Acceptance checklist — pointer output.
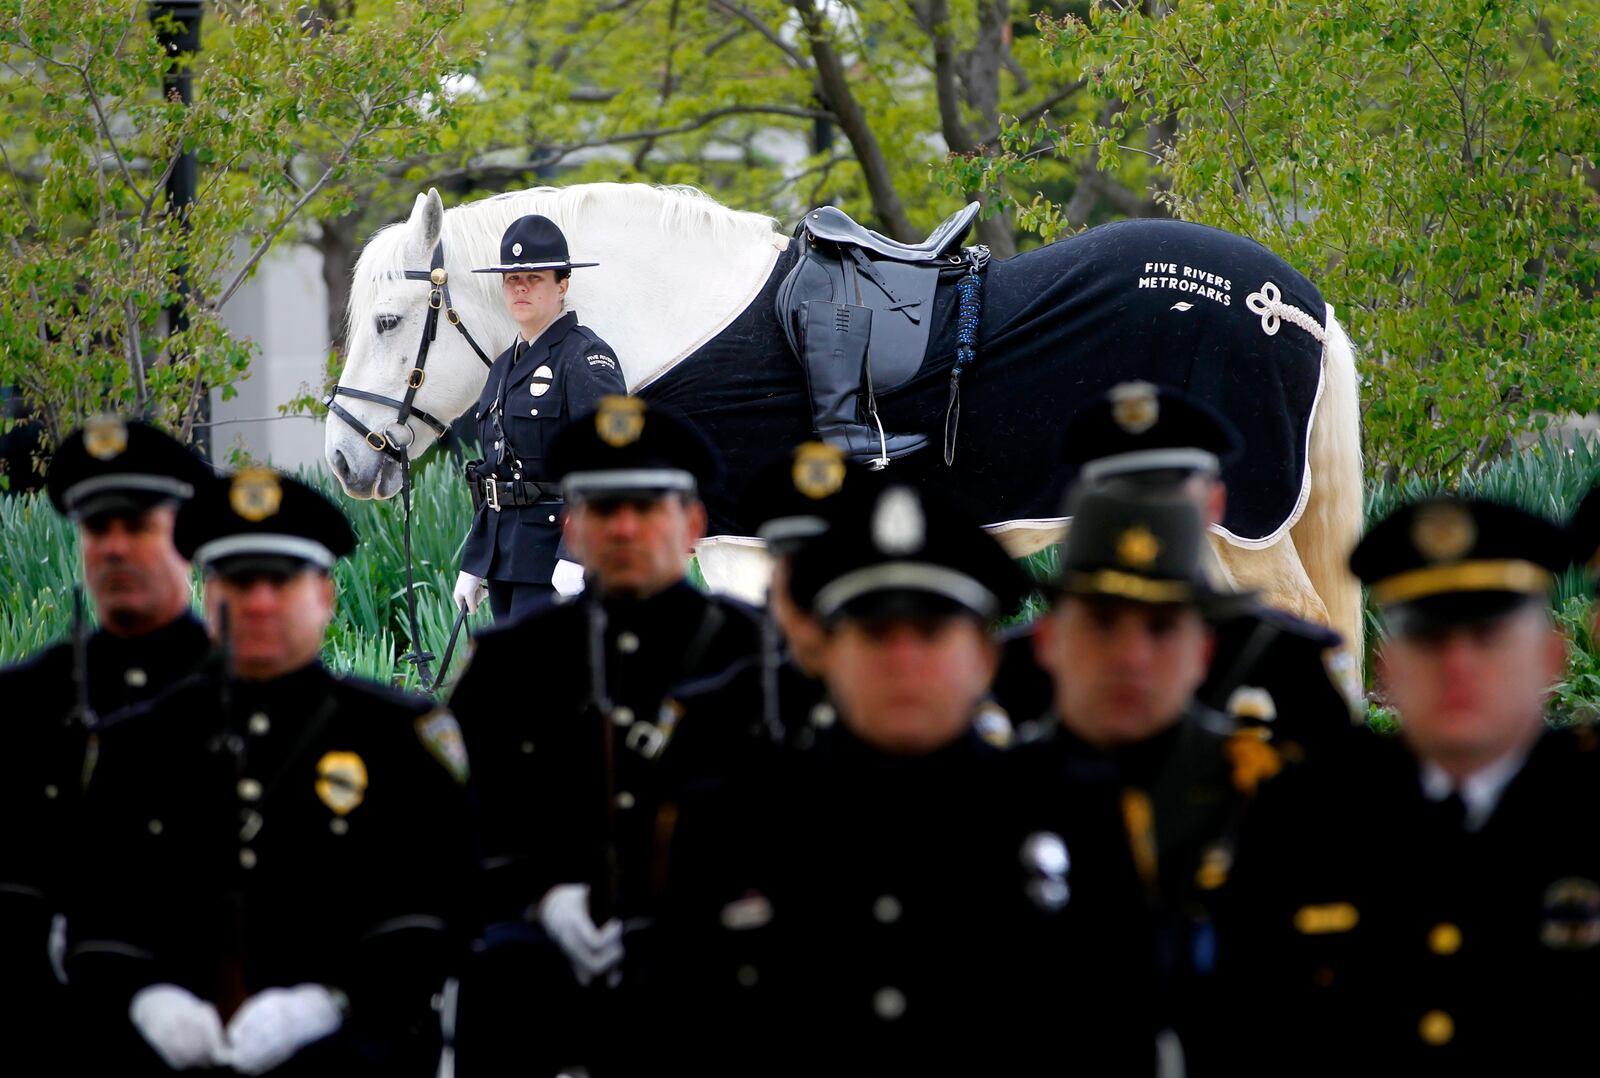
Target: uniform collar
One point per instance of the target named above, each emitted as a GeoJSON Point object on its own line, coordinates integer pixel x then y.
{"type": "Point", "coordinates": [549, 336]}
{"type": "Point", "coordinates": [1481, 790]}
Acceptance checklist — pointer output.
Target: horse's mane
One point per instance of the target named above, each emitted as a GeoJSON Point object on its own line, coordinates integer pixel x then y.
{"type": "Point", "coordinates": [678, 210]}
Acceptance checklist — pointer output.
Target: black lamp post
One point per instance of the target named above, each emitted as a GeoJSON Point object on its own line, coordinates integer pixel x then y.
{"type": "Point", "coordinates": [178, 28]}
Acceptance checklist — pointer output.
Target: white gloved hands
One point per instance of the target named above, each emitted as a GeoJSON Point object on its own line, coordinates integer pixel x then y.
{"type": "Point", "coordinates": [469, 591]}
{"type": "Point", "coordinates": [564, 914]}
{"type": "Point", "coordinates": [274, 1024]}
{"type": "Point", "coordinates": [568, 577]}
{"type": "Point", "coordinates": [184, 1029]}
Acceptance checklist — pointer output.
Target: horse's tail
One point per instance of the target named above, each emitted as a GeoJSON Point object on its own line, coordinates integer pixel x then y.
{"type": "Point", "coordinates": [1328, 529]}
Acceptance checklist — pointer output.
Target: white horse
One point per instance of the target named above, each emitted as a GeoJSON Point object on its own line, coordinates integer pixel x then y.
{"type": "Point", "coordinates": [676, 269]}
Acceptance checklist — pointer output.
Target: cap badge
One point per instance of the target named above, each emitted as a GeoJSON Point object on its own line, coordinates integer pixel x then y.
{"type": "Point", "coordinates": [620, 420]}
{"type": "Point", "coordinates": [1138, 547]}
{"type": "Point", "coordinates": [105, 437]}
{"type": "Point", "coordinates": [898, 526]}
{"type": "Point", "coordinates": [818, 470]}
{"type": "Point", "coordinates": [255, 494]}
{"type": "Point", "coordinates": [341, 781]}
{"type": "Point", "coordinates": [1441, 532]}
{"type": "Point", "coordinates": [1135, 406]}
{"type": "Point", "coordinates": [516, 248]}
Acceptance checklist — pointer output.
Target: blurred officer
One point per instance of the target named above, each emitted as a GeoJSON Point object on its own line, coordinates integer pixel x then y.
{"type": "Point", "coordinates": [272, 854]}
{"type": "Point", "coordinates": [793, 500]}
{"type": "Point", "coordinates": [1127, 642]}
{"type": "Point", "coordinates": [877, 903]}
{"type": "Point", "coordinates": [120, 483]}
{"type": "Point", "coordinates": [554, 370]}
{"type": "Point", "coordinates": [1436, 905]}
{"type": "Point", "coordinates": [590, 722]}
{"type": "Point", "coordinates": [1291, 678]}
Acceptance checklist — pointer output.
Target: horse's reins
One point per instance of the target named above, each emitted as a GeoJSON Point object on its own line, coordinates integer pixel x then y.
{"type": "Point", "coordinates": [384, 441]}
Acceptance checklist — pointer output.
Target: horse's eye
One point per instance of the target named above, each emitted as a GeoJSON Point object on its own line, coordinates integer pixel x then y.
{"type": "Point", "coordinates": [386, 322]}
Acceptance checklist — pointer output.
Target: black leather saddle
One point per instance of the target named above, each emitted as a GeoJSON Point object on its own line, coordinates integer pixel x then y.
{"type": "Point", "coordinates": [857, 309]}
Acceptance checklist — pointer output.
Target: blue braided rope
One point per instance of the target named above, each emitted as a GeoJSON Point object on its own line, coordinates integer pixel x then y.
{"type": "Point", "coordinates": [969, 312]}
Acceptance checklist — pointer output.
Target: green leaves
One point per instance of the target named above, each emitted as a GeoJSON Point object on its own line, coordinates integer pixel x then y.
{"type": "Point", "coordinates": [1429, 163]}
{"type": "Point", "coordinates": [288, 109]}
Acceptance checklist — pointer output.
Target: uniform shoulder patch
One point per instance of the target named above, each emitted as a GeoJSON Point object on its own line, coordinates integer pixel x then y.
{"type": "Point", "coordinates": [600, 359]}
{"type": "Point", "coordinates": [440, 734]}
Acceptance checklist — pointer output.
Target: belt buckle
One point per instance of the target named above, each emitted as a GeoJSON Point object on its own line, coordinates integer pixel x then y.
{"type": "Point", "coordinates": [491, 492]}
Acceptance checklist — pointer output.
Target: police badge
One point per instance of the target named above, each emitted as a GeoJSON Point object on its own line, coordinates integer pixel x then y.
{"type": "Point", "coordinates": [1135, 406]}
{"type": "Point", "coordinates": [1571, 915]}
{"type": "Point", "coordinates": [898, 526]}
{"type": "Point", "coordinates": [1444, 531]}
{"type": "Point", "coordinates": [1138, 547]}
{"type": "Point", "coordinates": [818, 470]}
{"type": "Point", "coordinates": [620, 420]}
{"type": "Point", "coordinates": [255, 494]}
{"type": "Point", "coordinates": [341, 781]}
{"type": "Point", "coordinates": [105, 437]}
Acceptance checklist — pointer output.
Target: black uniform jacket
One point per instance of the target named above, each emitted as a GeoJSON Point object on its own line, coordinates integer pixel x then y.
{"type": "Point", "coordinates": [682, 677]}
{"type": "Point", "coordinates": [1370, 926]}
{"type": "Point", "coordinates": [848, 911]}
{"type": "Point", "coordinates": [533, 390]}
{"type": "Point", "coordinates": [41, 780]}
{"type": "Point", "coordinates": [304, 829]}
{"type": "Point", "coordinates": [1184, 794]}
{"type": "Point", "coordinates": [1301, 666]}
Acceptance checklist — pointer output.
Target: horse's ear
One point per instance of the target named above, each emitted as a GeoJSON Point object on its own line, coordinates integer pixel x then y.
{"type": "Point", "coordinates": [427, 221]}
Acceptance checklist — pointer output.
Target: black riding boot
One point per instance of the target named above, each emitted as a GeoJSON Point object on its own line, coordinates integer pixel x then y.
{"type": "Point", "coordinates": [836, 376]}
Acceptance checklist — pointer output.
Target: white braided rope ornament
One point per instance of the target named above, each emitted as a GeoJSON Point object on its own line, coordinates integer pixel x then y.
{"type": "Point", "coordinates": [1268, 303]}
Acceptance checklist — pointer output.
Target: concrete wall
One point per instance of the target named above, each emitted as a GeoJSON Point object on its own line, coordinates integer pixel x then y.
{"type": "Point", "coordinates": [283, 309]}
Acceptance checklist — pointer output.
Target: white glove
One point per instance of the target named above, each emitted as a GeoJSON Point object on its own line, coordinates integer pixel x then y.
{"type": "Point", "coordinates": [273, 1025]}
{"type": "Point", "coordinates": [564, 913]}
{"type": "Point", "coordinates": [470, 591]}
{"type": "Point", "coordinates": [184, 1029]}
{"type": "Point", "coordinates": [568, 577]}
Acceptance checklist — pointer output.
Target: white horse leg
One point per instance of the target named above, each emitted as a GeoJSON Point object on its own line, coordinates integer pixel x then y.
{"type": "Point", "coordinates": [736, 566]}
{"type": "Point", "coordinates": [1277, 572]}
{"type": "Point", "coordinates": [1331, 524]}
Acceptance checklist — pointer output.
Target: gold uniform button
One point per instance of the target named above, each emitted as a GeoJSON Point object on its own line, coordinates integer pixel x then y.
{"type": "Point", "coordinates": [249, 790]}
{"type": "Point", "coordinates": [247, 858]}
{"type": "Point", "coordinates": [1444, 939]}
{"type": "Point", "coordinates": [1436, 1028]}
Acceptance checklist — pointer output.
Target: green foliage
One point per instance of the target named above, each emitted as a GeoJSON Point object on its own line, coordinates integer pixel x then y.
{"type": "Point", "coordinates": [295, 106]}
{"type": "Point", "coordinates": [369, 635]}
{"type": "Point", "coordinates": [1431, 163]}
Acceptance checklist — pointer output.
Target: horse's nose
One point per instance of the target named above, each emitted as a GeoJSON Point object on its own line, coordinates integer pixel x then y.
{"type": "Point", "coordinates": [341, 466]}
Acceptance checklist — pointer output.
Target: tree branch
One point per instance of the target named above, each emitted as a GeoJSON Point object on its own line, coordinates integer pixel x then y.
{"type": "Point", "coordinates": [764, 30]}
{"type": "Point", "coordinates": [834, 88]}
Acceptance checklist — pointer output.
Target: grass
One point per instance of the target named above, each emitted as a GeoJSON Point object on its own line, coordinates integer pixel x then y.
{"type": "Point", "coordinates": [370, 635]}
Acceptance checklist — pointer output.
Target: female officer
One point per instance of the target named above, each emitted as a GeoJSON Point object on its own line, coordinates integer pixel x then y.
{"type": "Point", "coordinates": [554, 370]}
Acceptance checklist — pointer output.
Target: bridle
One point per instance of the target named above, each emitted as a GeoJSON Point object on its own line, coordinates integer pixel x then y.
{"type": "Point", "coordinates": [384, 441]}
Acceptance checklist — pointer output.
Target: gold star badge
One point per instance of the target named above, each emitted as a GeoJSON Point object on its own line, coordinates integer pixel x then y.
{"type": "Point", "coordinates": [341, 781]}
{"type": "Point", "coordinates": [1442, 532]}
{"type": "Point", "coordinates": [620, 420]}
{"type": "Point", "coordinates": [105, 437]}
{"type": "Point", "coordinates": [1135, 406]}
{"type": "Point", "coordinates": [255, 494]}
{"type": "Point", "coordinates": [1137, 547]}
{"type": "Point", "coordinates": [818, 470]}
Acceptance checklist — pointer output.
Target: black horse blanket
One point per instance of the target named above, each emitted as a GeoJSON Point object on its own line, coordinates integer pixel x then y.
{"type": "Point", "coordinates": [1164, 301]}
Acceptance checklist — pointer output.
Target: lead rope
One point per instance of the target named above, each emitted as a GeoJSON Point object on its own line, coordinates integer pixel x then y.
{"type": "Point", "coordinates": [969, 313]}
{"type": "Point", "coordinates": [417, 656]}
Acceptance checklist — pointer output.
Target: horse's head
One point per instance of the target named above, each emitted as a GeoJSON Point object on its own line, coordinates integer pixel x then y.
{"type": "Point", "coordinates": [387, 319]}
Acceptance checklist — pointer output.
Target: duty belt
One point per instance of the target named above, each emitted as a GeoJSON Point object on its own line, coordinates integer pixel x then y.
{"type": "Point", "coordinates": [498, 493]}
